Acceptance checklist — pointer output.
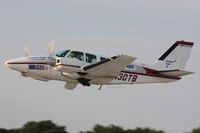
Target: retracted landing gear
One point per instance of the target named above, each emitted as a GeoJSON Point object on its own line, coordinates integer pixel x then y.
{"type": "Point", "coordinates": [84, 82]}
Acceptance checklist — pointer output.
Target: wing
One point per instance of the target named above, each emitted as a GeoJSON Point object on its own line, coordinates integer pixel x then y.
{"type": "Point", "coordinates": [109, 68]}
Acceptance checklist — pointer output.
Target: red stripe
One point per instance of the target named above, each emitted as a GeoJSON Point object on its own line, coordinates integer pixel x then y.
{"type": "Point", "coordinates": [45, 63]}
{"type": "Point", "coordinates": [185, 43]}
{"type": "Point", "coordinates": [150, 72]}
{"type": "Point", "coordinates": [154, 75]}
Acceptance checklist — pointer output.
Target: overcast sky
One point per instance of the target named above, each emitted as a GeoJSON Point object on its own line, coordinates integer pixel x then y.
{"type": "Point", "coordinates": [141, 28]}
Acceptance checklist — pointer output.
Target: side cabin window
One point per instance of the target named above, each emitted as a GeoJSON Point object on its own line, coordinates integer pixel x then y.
{"type": "Point", "coordinates": [76, 54]}
{"type": "Point", "coordinates": [102, 58]}
{"type": "Point", "coordinates": [90, 58]}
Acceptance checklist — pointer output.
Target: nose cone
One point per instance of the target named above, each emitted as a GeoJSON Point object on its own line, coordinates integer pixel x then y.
{"type": "Point", "coordinates": [16, 64]}
{"type": "Point", "coordinates": [8, 63]}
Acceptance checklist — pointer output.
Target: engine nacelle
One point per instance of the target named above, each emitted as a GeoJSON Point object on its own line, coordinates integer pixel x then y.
{"type": "Point", "coordinates": [71, 75]}
{"type": "Point", "coordinates": [70, 86]}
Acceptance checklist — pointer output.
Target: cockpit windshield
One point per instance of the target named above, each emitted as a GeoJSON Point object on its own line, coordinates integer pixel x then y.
{"type": "Point", "coordinates": [62, 53]}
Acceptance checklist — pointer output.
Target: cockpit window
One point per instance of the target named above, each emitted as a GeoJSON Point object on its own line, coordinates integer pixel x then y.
{"type": "Point", "coordinates": [62, 53]}
{"type": "Point", "coordinates": [76, 54]}
{"type": "Point", "coordinates": [90, 58]}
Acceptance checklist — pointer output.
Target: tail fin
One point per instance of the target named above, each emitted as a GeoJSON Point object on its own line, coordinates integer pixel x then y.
{"type": "Point", "coordinates": [176, 57]}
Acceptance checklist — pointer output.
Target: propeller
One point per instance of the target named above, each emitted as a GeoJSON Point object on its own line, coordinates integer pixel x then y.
{"type": "Point", "coordinates": [51, 60]}
{"type": "Point", "coordinates": [26, 51]}
{"type": "Point", "coordinates": [51, 48]}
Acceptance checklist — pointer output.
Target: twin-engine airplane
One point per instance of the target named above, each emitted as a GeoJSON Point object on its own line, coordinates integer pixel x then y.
{"type": "Point", "coordinates": [74, 67]}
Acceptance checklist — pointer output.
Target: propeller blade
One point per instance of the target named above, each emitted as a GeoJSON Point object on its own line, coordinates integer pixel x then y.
{"type": "Point", "coordinates": [51, 59]}
{"type": "Point", "coordinates": [26, 51]}
{"type": "Point", "coordinates": [51, 48]}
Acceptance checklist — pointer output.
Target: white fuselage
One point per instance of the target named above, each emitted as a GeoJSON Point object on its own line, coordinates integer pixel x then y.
{"type": "Point", "coordinates": [74, 67]}
{"type": "Point", "coordinates": [36, 67]}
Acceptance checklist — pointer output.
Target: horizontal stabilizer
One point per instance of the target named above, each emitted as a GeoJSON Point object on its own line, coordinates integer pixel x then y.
{"type": "Point", "coordinates": [177, 73]}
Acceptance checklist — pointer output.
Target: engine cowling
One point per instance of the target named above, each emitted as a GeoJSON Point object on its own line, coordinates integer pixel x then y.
{"type": "Point", "coordinates": [70, 86]}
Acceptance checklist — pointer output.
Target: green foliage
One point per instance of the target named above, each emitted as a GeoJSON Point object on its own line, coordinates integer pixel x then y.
{"type": "Point", "coordinates": [145, 130]}
{"type": "Point", "coordinates": [109, 129]}
{"type": "Point", "coordinates": [54, 131]}
{"type": "Point", "coordinates": [197, 130]}
{"type": "Point", "coordinates": [3, 130]}
{"type": "Point", "coordinates": [117, 129]}
{"type": "Point", "coordinates": [41, 127]}
{"type": "Point", "coordinates": [50, 127]}
{"type": "Point", "coordinates": [37, 127]}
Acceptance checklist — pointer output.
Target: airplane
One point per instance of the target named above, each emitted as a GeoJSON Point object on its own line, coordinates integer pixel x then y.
{"type": "Point", "coordinates": [77, 67]}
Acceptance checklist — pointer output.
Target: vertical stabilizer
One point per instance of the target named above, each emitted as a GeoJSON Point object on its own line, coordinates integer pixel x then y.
{"type": "Point", "coordinates": [176, 57]}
